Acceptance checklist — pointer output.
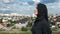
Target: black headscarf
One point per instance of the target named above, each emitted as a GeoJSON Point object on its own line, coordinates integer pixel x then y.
{"type": "Point", "coordinates": [42, 12]}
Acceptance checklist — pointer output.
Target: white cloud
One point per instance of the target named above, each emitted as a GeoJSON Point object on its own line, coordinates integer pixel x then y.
{"type": "Point", "coordinates": [36, 1]}
{"type": "Point", "coordinates": [53, 5]}
{"type": "Point", "coordinates": [17, 7]}
{"type": "Point", "coordinates": [25, 3]}
{"type": "Point", "coordinates": [8, 7]}
{"type": "Point", "coordinates": [1, 3]}
{"type": "Point", "coordinates": [4, 9]}
{"type": "Point", "coordinates": [54, 8]}
{"type": "Point", "coordinates": [6, 1]}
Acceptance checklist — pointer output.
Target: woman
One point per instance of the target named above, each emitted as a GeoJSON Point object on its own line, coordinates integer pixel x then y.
{"type": "Point", "coordinates": [41, 24]}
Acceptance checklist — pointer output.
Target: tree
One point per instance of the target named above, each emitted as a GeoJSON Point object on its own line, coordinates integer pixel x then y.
{"type": "Point", "coordinates": [29, 24]}
{"type": "Point", "coordinates": [11, 23]}
{"type": "Point", "coordinates": [24, 29]}
{"type": "Point", "coordinates": [0, 20]}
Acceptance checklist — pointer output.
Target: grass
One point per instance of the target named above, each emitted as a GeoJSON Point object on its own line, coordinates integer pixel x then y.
{"type": "Point", "coordinates": [24, 33]}
{"type": "Point", "coordinates": [56, 33]}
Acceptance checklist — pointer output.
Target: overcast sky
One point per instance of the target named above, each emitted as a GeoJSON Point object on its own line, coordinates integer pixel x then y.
{"type": "Point", "coordinates": [27, 6]}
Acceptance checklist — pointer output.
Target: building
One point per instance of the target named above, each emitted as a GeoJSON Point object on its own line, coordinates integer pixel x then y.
{"type": "Point", "coordinates": [58, 21]}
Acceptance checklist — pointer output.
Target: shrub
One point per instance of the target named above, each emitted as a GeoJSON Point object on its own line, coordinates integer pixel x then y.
{"type": "Point", "coordinates": [54, 29]}
{"type": "Point", "coordinates": [24, 29]}
{"type": "Point", "coordinates": [29, 24]}
{"type": "Point", "coordinates": [2, 29]}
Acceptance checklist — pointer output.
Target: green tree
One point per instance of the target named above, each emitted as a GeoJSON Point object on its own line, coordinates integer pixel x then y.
{"type": "Point", "coordinates": [24, 29]}
{"type": "Point", "coordinates": [29, 24]}
{"type": "Point", "coordinates": [0, 20]}
{"type": "Point", "coordinates": [11, 23]}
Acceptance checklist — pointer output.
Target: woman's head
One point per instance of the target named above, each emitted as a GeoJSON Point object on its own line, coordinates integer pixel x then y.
{"type": "Point", "coordinates": [41, 10]}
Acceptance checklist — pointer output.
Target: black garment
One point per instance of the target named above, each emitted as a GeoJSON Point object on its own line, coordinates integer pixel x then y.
{"type": "Point", "coordinates": [41, 24]}
{"type": "Point", "coordinates": [41, 27]}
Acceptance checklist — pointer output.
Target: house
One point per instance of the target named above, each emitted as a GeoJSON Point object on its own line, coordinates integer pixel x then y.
{"type": "Point", "coordinates": [58, 21]}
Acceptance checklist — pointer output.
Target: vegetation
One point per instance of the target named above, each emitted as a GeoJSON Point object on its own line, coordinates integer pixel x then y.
{"type": "Point", "coordinates": [54, 29]}
{"type": "Point", "coordinates": [24, 29]}
{"type": "Point", "coordinates": [11, 23]}
{"type": "Point", "coordinates": [0, 20]}
{"type": "Point", "coordinates": [2, 29]}
{"type": "Point", "coordinates": [23, 32]}
{"type": "Point", "coordinates": [29, 24]}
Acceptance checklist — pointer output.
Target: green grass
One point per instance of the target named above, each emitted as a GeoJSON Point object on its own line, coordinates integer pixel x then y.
{"type": "Point", "coordinates": [23, 32]}
{"type": "Point", "coordinates": [56, 33]}
{"type": "Point", "coordinates": [15, 32]}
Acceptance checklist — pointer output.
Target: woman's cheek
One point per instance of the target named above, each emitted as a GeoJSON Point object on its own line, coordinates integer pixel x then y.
{"type": "Point", "coordinates": [35, 12]}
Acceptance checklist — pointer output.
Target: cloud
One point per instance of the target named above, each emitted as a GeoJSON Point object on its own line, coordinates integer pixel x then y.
{"type": "Point", "coordinates": [27, 7]}
{"type": "Point", "coordinates": [36, 0]}
{"type": "Point", "coordinates": [4, 9]}
{"type": "Point", "coordinates": [31, 2]}
{"type": "Point", "coordinates": [49, 1]}
{"type": "Point", "coordinates": [25, 3]}
{"type": "Point", "coordinates": [6, 1]}
{"type": "Point", "coordinates": [53, 8]}
{"type": "Point", "coordinates": [1, 3]}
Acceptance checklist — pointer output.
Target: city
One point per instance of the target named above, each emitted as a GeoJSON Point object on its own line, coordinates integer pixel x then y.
{"type": "Point", "coordinates": [17, 21]}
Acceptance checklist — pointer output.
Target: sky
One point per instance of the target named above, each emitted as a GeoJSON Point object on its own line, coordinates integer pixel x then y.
{"type": "Point", "coordinates": [27, 6]}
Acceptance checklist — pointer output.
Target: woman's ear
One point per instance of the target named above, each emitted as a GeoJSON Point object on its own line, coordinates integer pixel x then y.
{"type": "Point", "coordinates": [35, 11]}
